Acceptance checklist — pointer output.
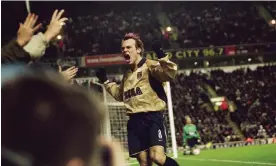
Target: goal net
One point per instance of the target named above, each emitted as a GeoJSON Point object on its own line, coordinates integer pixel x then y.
{"type": "Point", "coordinates": [115, 125]}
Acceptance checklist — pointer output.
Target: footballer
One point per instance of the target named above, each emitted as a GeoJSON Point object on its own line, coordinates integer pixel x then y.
{"type": "Point", "coordinates": [191, 137]}
{"type": "Point", "coordinates": [143, 94]}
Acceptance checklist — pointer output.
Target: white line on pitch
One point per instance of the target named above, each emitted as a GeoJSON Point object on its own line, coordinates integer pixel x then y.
{"type": "Point", "coordinates": [132, 163]}
{"type": "Point", "coordinates": [217, 160]}
{"type": "Point", "coordinates": [228, 161]}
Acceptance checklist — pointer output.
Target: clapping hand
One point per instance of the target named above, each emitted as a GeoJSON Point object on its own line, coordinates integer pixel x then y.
{"type": "Point", "coordinates": [27, 29]}
{"type": "Point", "coordinates": [55, 25]}
{"type": "Point", "coordinates": [69, 73]}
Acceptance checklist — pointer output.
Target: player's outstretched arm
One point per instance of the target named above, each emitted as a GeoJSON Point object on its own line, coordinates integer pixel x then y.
{"type": "Point", "coordinates": [115, 90]}
{"type": "Point", "coordinates": [164, 69]}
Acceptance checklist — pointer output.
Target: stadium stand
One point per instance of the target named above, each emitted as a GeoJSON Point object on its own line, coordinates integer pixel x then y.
{"type": "Point", "coordinates": [196, 25]}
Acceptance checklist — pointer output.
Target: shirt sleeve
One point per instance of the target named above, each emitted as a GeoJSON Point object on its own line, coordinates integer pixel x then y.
{"type": "Point", "coordinates": [13, 52]}
{"type": "Point", "coordinates": [115, 90]}
{"type": "Point", "coordinates": [36, 46]}
{"type": "Point", "coordinates": [164, 70]}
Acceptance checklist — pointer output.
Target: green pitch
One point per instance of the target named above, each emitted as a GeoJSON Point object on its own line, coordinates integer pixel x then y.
{"type": "Point", "coordinates": [258, 155]}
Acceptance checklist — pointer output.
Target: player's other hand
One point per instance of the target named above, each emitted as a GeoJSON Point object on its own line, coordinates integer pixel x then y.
{"type": "Point", "coordinates": [55, 25]}
{"type": "Point", "coordinates": [101, 75]}
{"type": "Point", "coordinates": [157, 48]}
{"type": "Point", "coordinates": [27, 29]}
{"type": "Point", "coordinates": [69, 73]}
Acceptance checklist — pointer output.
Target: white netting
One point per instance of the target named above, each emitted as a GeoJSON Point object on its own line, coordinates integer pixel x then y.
{"type": "Point", "coordinates": [118, 120]}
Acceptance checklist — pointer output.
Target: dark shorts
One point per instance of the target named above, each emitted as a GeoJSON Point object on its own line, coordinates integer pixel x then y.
{"type": "Point", "coordinates": [144, 131]}
{"type": "Point", "coordinates": [192, 142]}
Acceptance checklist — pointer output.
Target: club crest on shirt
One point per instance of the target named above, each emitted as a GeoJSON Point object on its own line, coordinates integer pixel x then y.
{"type": "Point", "coordinates": [139, 75]}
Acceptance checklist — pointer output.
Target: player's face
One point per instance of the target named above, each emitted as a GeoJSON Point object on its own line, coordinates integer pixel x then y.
{"type": "Point", "coordinates": [188, 121]}
{"type": "Point", "coordinates": [129, 51]}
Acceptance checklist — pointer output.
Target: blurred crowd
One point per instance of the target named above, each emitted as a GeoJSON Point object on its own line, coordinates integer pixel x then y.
{"type": "Point", "coordinates": [253, 92]}
{"type": "Point", "coordinates": [271, 7]}
{"type": "Point", "coordinates": [197, 25]}
{"type": "Point", "coordinates": [214, 24]}
{"type": "Point", "coordinates": [212, 126]}
{"type": "Point", "coordinates": [101, 33]}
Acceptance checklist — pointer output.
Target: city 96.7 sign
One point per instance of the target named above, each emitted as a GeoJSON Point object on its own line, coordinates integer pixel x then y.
{"type": "Point", "coordinates": [190, 53]}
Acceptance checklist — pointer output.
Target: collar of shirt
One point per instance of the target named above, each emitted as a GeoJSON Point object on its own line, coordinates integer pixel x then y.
{"type": "Point", "coordinates": [140, 64]}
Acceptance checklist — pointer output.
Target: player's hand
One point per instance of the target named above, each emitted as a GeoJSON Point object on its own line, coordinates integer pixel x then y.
{"type": "Point", "coordinates": [27, 29]}
{"type": "Point", "coordinates": [157, 48]}
{"type": "Point", "coordinates": [199, 141]}
{"type": "Point", "coordinates": [69, 73]}
{"type": "Point", "coordinates": [55, 25]}
{"type": "Point", "coordinates": [101, 75]}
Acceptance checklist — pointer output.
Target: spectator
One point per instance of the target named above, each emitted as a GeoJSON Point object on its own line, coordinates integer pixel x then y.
{"type": "Point", "coordinates": [28, 47]}
{"type": "Point", "coordinates": [46, 121]}
{"type": "Point", "coordinates": [14, 50]}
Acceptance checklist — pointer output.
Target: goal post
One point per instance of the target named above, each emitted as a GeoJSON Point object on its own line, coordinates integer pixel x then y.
{"type": "Point", "coordinates": [106, 125]}
{"type": "Point", "coordinates": [115, 123]}
{"type": "Point", "coordinates": [171, 119]}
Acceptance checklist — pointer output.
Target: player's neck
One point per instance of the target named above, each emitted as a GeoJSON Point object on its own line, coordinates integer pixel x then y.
{"type": "Point", "coordinates": [135, 65]}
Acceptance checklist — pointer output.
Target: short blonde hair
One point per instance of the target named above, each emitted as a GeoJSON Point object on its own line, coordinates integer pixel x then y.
{"type": "Point", "coordinates": [188, 119]}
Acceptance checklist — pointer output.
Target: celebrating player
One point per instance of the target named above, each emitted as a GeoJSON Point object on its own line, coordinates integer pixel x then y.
{"type": "Point", "coordinates": [143, 94]}
{"type": "Point", "coordinates": [190, 136]}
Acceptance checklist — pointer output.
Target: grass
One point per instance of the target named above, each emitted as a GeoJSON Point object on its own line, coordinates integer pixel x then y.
{"type": "Point", "coordinates": [258, 155]}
